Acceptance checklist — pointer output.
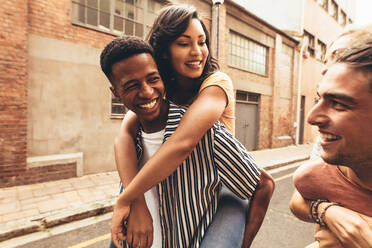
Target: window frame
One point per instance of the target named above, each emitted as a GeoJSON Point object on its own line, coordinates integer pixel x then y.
{"type": "Point", "coordinates": [144, 6]}
{"type": "Point", "coordinates": [247, 59]}
{"type": "Point", "coordinates": [331, 4]}
{"type": "Point", "coordinates": [342, 20]}
{"type": "Point", "coordinates": [114, 103]}
{"type": "Point", "coordinates": [311, 43]}
{"type": "Point", "coordinates": [324, 5]}
{"type": "Point", "coordinates": [321, 48]}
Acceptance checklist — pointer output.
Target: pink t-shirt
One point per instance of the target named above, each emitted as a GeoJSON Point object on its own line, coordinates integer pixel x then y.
{"type": "Point", "coordinates": [319, 180]}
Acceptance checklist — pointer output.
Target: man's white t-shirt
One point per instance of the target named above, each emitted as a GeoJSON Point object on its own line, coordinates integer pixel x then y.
{"type": "Point", "coordinates": [151, 142]}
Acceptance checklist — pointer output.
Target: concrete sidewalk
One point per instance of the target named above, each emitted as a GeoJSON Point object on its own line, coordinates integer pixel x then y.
{"type": "Point", "coordinates": [30, 208]}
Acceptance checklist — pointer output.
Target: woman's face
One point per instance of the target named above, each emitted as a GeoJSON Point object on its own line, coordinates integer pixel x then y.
{"type": "Point", "coordinates": [189, 52]}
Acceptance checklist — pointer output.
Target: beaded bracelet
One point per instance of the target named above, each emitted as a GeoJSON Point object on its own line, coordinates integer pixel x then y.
{"type": "Point", "coordinates": [314, 211]}
{"type": "Point", "coordinates": [310, 217]}
{"type": "Point", "coordinates": [322, 214]}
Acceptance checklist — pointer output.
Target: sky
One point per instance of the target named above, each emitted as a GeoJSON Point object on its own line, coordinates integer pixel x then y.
{"type": "Point", "coordinates": [363, 12]}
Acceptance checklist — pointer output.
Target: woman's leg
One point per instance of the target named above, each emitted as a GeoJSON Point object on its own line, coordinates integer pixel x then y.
{"type": "Point", "coordinates": [227, 227]}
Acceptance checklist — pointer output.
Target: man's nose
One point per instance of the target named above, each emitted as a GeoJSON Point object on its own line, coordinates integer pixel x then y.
{"type": "Point", "coordinates": [317, 115]}
{"type": "Point", "coordinates": [146, 90]}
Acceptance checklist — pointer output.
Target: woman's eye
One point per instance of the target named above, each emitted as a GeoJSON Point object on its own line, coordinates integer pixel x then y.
{"type": "Point", "coordinates": [202, 43]}
{"type": "Point", "coordinates": [183, 44]}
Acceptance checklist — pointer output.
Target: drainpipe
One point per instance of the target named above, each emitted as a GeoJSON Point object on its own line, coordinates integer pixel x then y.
{"type": "Point", "coordinates": [303, 47]}
{"type": "Point", "coordinates": [217, 4]}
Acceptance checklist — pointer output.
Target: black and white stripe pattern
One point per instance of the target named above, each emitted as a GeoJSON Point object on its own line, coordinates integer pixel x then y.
{"type": "Point", "coordinates": [188, 197]}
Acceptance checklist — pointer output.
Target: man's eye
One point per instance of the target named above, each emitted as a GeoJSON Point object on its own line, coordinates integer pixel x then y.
{"type": "Point", "coordinates": [129, 87]}
{"type": "Point", "coordinates": [154, 79]}
{"type": "Point", "coordinates": [338, 106]}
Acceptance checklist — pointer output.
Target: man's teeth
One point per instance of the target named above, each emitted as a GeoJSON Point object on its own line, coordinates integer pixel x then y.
{"type": "Point", "coordinates": [148, 105]}
{"type": "Point", "coordinates": [327, 136]}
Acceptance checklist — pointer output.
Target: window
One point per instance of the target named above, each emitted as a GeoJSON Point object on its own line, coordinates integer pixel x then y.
{"type": "Point", "coordinates": [153, 8]}
{"type": "Point", "coordinates": [323, 3]}
{"type": "Point", "coordinates": [311, 43]}
{"type": "Point", "coordinates": [117, 108]}
{"type": "Point", "coordinates": [333, 9]}
{"type": "Point", "coordinates": [116, 16]}
{"type": "Point", "coordinates": [321, 49]}
{"type": "Point", "coordinates": [244, 96]}
{"type": "Point", "coordinates": [131, 17]}
{"type": "Point", "coordinates": [247, 55]}
{"type": "Point", "coordinates": [342, 19]}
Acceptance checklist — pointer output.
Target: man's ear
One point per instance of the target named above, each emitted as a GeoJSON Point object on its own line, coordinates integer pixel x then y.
{"type": "Point", "coordinates": [114, 92]}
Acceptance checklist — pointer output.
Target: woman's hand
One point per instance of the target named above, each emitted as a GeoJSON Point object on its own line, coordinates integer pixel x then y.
{"type": "Point", "coordinates": [121, 213]}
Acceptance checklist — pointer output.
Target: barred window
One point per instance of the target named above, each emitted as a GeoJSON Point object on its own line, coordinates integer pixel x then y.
{"type": "Point", "coordinates": [321, 49]}
{"type": "Point", "coordinates": [311, 43]}
{"type": "Point", "coordinates": [342, 19]}
{"type": "Point", "coordinates": [117, 108]}
{"type": "Point", "coordinates": [333, 9]}
{"type": "Point", "coordinates": [323, 3]}
{"type": "Point", "coordinates": [131, 17]}
{"type": "Point", "coordinates": [247, 54]}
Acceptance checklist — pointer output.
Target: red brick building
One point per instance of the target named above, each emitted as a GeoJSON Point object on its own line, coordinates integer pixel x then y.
{"type": "Point", "coordinates": [57, 115]}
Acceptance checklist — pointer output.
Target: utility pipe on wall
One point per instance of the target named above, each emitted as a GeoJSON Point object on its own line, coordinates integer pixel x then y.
{"type": "Point", "coordinates": [217, 4]}
{"type": "Point", "coordinates": [303, 47]}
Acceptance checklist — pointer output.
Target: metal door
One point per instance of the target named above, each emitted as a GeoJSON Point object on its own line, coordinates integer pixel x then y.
{"type": "Point", "coordinates": [246, 124]}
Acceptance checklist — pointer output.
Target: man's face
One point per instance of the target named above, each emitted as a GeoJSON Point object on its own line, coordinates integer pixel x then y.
{"type": "Point", "coordinates": [139, 86]}
{"type": "Point", "coordinates": [344, 116]}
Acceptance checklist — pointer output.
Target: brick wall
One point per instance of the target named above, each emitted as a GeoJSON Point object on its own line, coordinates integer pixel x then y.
{"type": "Point", "coordinates": [52, 19]}
{"type": "Point", "coordinates": [19, 19]}
{"type": "Point", "coordinates": [46, 173]}
{"type": "Point", "coordinates": [13, 89]}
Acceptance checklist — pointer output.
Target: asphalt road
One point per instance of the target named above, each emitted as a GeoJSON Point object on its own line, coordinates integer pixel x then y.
{"type": "Point", "coordinates": [279, 230]}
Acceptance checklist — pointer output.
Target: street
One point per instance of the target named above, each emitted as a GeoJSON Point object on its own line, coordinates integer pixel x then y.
{"type": "Point", "coordinates": [280, 227]}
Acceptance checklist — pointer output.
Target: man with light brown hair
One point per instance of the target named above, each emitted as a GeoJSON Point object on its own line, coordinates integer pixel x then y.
{"type": "Point", "coordinates": [336, 191]}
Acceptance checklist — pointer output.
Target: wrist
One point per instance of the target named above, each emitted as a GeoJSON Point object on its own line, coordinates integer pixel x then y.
{"type": "Point", "coordinates": [323, 209]}
{"type": "Point", "coordinates": [314, 211]}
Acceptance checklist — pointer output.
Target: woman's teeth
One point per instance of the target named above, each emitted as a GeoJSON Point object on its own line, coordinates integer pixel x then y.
{"type": "Point", "coordinates": [194, 63]}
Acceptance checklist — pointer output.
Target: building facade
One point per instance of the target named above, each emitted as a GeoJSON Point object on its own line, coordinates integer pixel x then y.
{"type": "Point", "coordinates": [58, 118]}
{"type": "Point", "coordinates": [317, 21]}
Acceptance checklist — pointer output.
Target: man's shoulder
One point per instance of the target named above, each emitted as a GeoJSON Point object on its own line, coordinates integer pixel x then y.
{"type": "Point", "coordinates": [313, 170]}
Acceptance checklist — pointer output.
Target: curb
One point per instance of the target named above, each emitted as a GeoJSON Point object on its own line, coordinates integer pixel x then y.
{"type": "Point", "coordinates": [22, 227]}
{"type": "Point", "coordinates": [42, 222]}
{"type": "Point", "coordinates": [284, 162]}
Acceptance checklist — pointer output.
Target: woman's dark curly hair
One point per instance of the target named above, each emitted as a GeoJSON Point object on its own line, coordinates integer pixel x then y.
{"type": "Point", "coordinates": [172, 21]}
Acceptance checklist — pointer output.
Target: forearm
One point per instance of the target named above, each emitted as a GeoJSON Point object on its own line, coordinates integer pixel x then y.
{"type": "Point", "coordinates": [300, 207]}
{"type": "Point", "coordinates": [161, 165]}
{"type": "Point", "coordinates": [258, 208]}
{"type": "Point", "coordinates": [125, 152]}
